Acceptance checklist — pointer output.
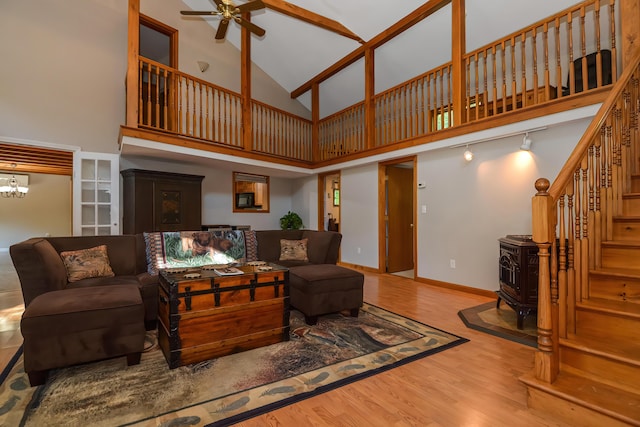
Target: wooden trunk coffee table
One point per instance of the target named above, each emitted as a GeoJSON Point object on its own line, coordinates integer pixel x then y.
{"type": "Point", "coordinates": [214, 315]}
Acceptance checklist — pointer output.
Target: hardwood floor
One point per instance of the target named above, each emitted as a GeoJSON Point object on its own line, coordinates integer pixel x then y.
{"type": "Point", "coordinates": [474, 384]}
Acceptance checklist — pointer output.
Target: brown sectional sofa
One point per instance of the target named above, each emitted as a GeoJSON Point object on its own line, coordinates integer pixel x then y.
{"type": "Point", "coordinates": [101, 317]}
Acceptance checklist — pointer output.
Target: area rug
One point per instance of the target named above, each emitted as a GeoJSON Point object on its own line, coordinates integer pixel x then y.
{"type": "Point", "coordinates": [501, 323]}
{"type": "Point", "coordinates": [338, 350]}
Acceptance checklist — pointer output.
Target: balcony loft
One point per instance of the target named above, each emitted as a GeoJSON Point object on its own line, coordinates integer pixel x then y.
{"type": "Point", "coordinates": [536, 71]}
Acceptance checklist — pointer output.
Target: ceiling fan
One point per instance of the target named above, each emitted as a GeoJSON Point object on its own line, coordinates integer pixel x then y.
{"type": "Point", "coordinates": [227, 10]}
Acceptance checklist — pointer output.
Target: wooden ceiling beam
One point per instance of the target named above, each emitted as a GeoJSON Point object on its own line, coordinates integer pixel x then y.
{"type": "Point", "coordinates": [311, 18]}
{"type": "Point", "coordinates": [402, 25]}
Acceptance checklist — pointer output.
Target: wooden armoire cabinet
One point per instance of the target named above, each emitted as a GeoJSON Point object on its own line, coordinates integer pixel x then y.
{"type": "Point", "coordinates": [160, 201]}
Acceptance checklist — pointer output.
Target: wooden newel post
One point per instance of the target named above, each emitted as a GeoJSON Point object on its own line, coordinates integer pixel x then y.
{"type": "Point", "coordinates": [546, 360]}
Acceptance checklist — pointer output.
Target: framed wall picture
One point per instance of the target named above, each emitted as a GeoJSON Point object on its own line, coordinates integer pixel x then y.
{"type": "Point", "coordinates": [336, 197]}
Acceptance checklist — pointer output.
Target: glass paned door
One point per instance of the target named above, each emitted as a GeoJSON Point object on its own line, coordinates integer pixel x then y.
{"type": "Point", "coordinates": [96, 194]}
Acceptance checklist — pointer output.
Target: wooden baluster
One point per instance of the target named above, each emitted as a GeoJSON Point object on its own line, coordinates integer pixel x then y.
{"type": "Point", "coordinates": [514, 87]}
{"type": "Point", "coordinates": [583, 50]}
{"type": "Point", "coordinates": [503, 57]}
{"type": "Point", "coordinates": [149, 78]}
{"type": "Point", "coordinates": [545, 42]}
{"type": "Point", "coordinates": [485, 93]}
{"type": "Point", "coordinates": [572, 68]}
{"type": "Point", "coordinates": [598, 217]}
{"type": "Point", "coordinates": [165, 106]}
{"type": "Point", "coordinates": [612, 39]}
{"type": "Point", "coordinates": [534, 49]}
{"type": "Point", "coordinates": [546, 361]}
{"type": "Point", "coordinates": [562, 268]}
{"type": "Point", "coordinates": [596, 25]}
{"type": "Point", "coordinates": [429, 106]}
{"type": "Point", "coordinates": [495, 81]}
{"type": "Point", "coordinates": [442, 107]}
{"type": "Point", "coordinates": [179, 96]}
{"type": "Point", "coordinates": [477, 88]}
{"type": "Point", "coordinates": [140, 96]}
{"type": "Point", "coordinates": [523, 64]}
{"type": "Point", "coordinates": [558, 59]}
{"type": "Point", "coordinates": [591, 170]}
{"type": "Point", "coordinates": [423, 108]}
{"type": "Point", "coordinates": [194, 112]}
{"type": "Point", "coordinates": [450, 98]}
{"type": "Point", "coordinates": [571, 273]}
{"type": "Point", "coordinates": [467, 102]}
{"type": "Point", "coordinates": [156, 103]}
{"type": "Point", "coordinates": [584, 250]}
{"type": "Point", "coordinates": [578, 236]}
{"type": "Point", "coordinates": [200, 114]}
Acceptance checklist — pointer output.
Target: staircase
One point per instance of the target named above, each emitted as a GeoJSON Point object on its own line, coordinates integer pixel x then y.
{"type": "Point", "coordinates": [587, 368]}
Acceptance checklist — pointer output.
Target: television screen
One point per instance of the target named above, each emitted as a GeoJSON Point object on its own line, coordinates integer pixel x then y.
{"type": "Point", "coordinates": [244, 200]}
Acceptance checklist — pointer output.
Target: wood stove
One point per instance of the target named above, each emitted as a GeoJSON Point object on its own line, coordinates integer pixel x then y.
{"type": "Point", "coordinates": [518, 267]}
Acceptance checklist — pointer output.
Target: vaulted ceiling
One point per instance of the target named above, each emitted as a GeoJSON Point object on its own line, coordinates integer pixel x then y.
{"type": "Point", "coordinates": [294, 51]}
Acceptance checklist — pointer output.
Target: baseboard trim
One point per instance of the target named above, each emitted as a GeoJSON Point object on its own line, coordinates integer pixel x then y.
{"type": "Point", "coordinates": [359, 267]}
{"type": "Point", "coordinates": [455, 287]}
{"type": "Point", "coordinates": [432, 282]}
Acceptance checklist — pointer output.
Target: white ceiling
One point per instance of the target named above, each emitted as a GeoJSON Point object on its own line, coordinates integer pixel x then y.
{"type": "Point", "coordinates": [292, 52]}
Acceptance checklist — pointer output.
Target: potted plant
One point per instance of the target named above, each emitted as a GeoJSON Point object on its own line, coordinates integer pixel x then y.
{"type": "Point", "coordinates": [291, 221]}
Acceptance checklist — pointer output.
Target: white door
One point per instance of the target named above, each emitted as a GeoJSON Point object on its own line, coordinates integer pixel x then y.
{"type": "Point", "coordinates": [96, 194]}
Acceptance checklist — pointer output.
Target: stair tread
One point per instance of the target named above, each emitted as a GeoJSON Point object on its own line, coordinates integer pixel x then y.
{"type": "Point", "coordinates": [622, 351]}
{"type": "Point", "coordinates": [621, 243]}
{"type": "Point", "coordinates": [627, 308]}
{"type": "Point", "coordinates": [626, 218]}
{"type": "Point", "coordinates": [587, 391]}
{"type": "Point", "coordinates": [617, 272]}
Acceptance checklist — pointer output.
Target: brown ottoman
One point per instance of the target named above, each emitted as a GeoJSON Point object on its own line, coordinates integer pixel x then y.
{"type": "Point", "coordinates": [319, 289]}
{"type": "Point", "coordinates": [71, 326]}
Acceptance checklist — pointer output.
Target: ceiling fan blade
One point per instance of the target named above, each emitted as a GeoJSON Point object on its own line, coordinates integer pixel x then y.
{"type": "Point", "coordinates": [195, 12]}
{"type": "Point", "coordinates": [250, 26]}
{"type": "Point", "coordinates": [252, 5]}
{"type": "Point", "coordinates": [222, 29]}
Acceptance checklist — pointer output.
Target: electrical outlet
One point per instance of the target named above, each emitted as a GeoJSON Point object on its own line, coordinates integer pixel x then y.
{"type": "Point", "coordinates": [452, 263]}
{"type": "Point", "coordinates": [359, 250]}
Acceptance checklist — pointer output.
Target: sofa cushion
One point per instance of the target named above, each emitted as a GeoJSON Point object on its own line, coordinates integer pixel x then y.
{"type": "Point", "coordinates": [320, 246]}
{"type": "Point", "coordinates": [87, 263]}
{"type": "Point", "coordinates": [269, 242]}
{"type": "Point", "coordinates": [293, 250]}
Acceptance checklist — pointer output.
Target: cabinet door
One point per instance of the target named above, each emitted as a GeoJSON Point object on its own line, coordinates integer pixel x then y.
{"type": "Point", "coordinates": [96, 194]}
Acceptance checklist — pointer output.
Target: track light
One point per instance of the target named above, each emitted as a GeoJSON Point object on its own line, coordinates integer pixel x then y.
{"type": "Point", "coordinates": [468, 154]}
{"type": "Point", "coordinates": [526, 142]}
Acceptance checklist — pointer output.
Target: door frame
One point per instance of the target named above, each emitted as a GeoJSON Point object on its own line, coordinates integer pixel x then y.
{"type": "Point", "coordinates": [382, 197]}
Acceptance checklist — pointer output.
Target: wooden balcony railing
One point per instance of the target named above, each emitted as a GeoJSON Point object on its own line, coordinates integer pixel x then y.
{"type": "Point", "coordinates": [577, 212]}
{"type": "Point", "coordinates": [513, 73]}
{"type": "Point", "coordinates": [541, 63]}
{"type": "Point", "coordinates": [174, 102]}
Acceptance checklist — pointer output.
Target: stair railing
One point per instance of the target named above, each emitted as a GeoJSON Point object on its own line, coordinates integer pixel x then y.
{"type": "Point", "coordinates": [571, 217]}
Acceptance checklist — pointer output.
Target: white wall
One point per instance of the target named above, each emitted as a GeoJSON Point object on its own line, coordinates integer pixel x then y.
{"type": "Point", "coordinates": [469, 205]}
{"type": "Point", "coordinates": [45, 209]}
{"type": "Point", "coordinates": [217, 196]}
{"type": "Point", "coordinates": [359, 215]}
{"type": "Point", "coordinates": [65, 62]}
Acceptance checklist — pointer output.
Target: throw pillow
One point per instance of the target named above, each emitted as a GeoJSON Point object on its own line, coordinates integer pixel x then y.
{"type": "Point", "coordinates": [293, 250]}
{"type": "Point", "coordinates": [87, 263]}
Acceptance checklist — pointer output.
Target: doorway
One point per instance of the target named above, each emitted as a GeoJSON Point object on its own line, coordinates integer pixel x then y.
{"type": "Point", "coordinates": [397, 205]}
{"type": "Point", "coordinates": [329, 201]}
{"type": "Point", "coordinates": [159, 43]}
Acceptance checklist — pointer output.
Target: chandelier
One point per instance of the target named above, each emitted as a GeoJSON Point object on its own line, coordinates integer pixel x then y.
{"type": "Point", "coordinates": [10, 186]}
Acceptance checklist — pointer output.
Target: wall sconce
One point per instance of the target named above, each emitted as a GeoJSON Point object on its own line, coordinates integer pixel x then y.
{"type": "Point", "coordinates": [14, 185]}
{"type": "Point", "coordinates": [204, 66]}
{"type": "Point", "coordinates": [526, 142]}
{"type": "Point", "coordinates": [468, 154]}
